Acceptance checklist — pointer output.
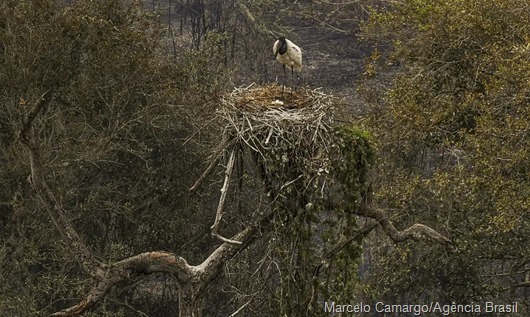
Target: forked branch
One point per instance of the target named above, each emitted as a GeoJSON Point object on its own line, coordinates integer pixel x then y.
{"type": "Point", "coordinates": [417, 231]}
{"type": "Point", "coordinates": [141, 264]}
{"type": "Point", "coordinates": [169, 263]}
{"type": "Point", "coordinates": [46, 196]}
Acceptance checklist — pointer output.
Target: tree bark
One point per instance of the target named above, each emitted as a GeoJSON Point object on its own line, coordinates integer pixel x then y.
{"type": "Point", "coordinates": [190, 300]}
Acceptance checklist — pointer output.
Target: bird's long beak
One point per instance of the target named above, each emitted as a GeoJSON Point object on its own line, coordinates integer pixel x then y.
{"type": "Point", "coordinates": [276, 55]}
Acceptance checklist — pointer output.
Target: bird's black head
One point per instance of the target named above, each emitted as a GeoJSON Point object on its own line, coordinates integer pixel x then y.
{"type": "Point", "coordinates": [282, 48]}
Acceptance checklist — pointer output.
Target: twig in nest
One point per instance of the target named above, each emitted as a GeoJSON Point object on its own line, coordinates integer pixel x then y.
{"type": "Point", "coordinates": [269, 136]}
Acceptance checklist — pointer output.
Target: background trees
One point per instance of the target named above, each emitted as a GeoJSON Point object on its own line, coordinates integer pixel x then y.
{"type": "Point", "coordinates": [453, 133]}
{"type": "Point", "coordinates": [112, 137]}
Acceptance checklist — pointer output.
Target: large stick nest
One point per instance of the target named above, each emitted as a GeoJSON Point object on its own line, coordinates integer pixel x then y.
{"type": "Point", "coordinates": [291, 132]}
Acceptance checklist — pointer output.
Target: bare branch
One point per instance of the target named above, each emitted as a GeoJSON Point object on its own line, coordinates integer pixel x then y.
{"type": "Point", "coordinates": [145, 263]}
{"type": "Point", "coordinates": [169, 263]}
{"type": "Point", "coordinates": [53, 207]}
{"type": "Point", "coordinates": [222, 199]}
{"type": "Point", "coordinates": [206, 173]}
{"type": "Point", "coordinates": [215, 262]}
{"type": "Point", "coordinates": [220, 237]}
{"type": "Point", "coordinates": [240, 309]}
{"type": "Point", "coordinates": [417, 231]}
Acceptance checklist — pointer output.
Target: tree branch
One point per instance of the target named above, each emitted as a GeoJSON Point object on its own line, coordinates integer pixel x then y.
{"type": "Point", "coordinates": [417, 231]}
{"type": "Point", "coordinates": [141, 264]}
{"type": "Point", "coordinates": [222, 199]}
{"type": "Point", "coordinates": [57, 214]}
{"type": "Point", "coordinates": [205, 174]}
{"type": "Point", "coordinates": [215, 262]}
{"type": "Point", "coordinates": [169, 263]}
{"type": "Point", "coordinates": [211, 166]}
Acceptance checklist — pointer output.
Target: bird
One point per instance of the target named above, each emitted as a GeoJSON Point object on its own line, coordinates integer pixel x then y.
{"type": "Point", "coordinates": [289, 54]}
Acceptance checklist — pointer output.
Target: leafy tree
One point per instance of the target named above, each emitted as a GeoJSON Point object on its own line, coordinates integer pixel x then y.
{"type": "Point", "coordinates": [452, 123]}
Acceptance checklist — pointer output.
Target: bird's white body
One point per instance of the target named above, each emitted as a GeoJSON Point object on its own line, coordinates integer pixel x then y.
{"type": "Point", "coordinates": [288, 54]}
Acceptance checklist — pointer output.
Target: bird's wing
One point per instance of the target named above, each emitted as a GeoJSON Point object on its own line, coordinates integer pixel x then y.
{"type": "Point", "coordinates": [297, 56]}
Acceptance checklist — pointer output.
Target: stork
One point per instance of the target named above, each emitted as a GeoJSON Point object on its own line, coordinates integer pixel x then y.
{"type": "Point", "coordinates": [290, 55]}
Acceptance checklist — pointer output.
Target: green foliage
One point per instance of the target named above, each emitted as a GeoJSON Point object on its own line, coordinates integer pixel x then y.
{"type": "Point", "coordinates": [357, 156]}
{"type": "Point", "coordinates": [351, 167]}
{"type": "Point", "coordinates": [453, 128]}
{"type": "Point", "coordinates": [325, 223]}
